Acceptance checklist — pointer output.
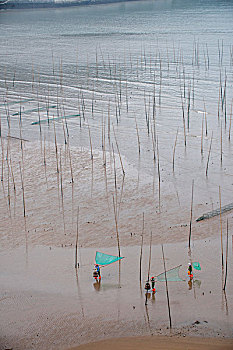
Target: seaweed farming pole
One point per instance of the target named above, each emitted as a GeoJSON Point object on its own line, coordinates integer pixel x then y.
{"type": "Point", "coordinates": [202, 136]}
{"type": "Point", "coordinates": [191, 216]}
{"type": "Point", "coordinates": [174, 151]}
{"type": "Point", "coordinates": [76, 244]}
{"type": "Point", "coordinates": [159, 178]}
{"type": "Point", "coordinates": [168, 303]}
{"type": "Point", "coordinates": [225, 282]}
{"type": "Point", "coordinates": [207, 165]}
{"type": "Point", "coordinates": [221, 144]}
{"type": "Point", "coordinates": [183, 122]}
{"type": "Point", "coordinates": [24, 209]}
{"type": "Point", "coordinates": [139, 148]}
{"type": "Point", "coordinates": [221, 224]}
{"type": "Point", "coordinates": [2, 146]}
{"type": "Point", "coordinates": [123, 171]}
{"type": "Point", "coordinates": [148, 276]}
{"type": "Point", "coordinates": [140, 267]}
{"type": "Point", "coordinates": [116, 223]}
{"type": "Point", "coordinates": [229, 136]}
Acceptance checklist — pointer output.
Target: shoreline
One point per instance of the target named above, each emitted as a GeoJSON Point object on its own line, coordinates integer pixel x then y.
{"type": "Point", "coordinates": [48, 299]}
{"type": "Point", "coordinates": [51, 5]}
{"type": "Point", "coordinates": [159, 343]}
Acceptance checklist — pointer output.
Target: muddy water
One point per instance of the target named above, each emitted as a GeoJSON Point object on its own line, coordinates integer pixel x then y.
{"type": "Point", "coordinates": [52, 201]}
{"type": "Point", "coordinates": [46, 305]}
{"type": "Point", "coordinates": [119, 67]}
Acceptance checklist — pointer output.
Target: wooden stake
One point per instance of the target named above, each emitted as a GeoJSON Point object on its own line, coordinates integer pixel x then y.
{"type": "Point", "coordinates": [202, 136]}
{"type": "Point", "coordinates": [123, 171]}
{"type": "Point", "coordinates": [174, 150]}
{"type": "Point", "coordinates": [168, 303]}
{"type": "Point", "coordinates": [148, 276]}
{"type": "Point", "coordinates": [76, 244]}
{"type": "Point", "coordinates": [158, 169]}
{"type": "Point", "coordinates": [140, 267]}
{"type": "Point", "coordinates": [221, 143]}
{"type": "Point", "coordinates": [191, 216]}
{"type": "Point", "coordinates": [229, 137]}
{"type": "Point", "coordinates": [116, 223]}
{"type": "Point", "coordinates": [207, 165]}
{"type": "Point", "coordinates": [24, 208]}
{"type": "Point", "coordinates": [221, 225]}
{"type": "Point", "coordinates": [226, 260]}
{"type": "Point", "coordinates": [139, 149]}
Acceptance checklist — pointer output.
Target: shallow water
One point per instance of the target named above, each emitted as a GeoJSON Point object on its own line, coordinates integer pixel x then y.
{"type": "Point", "coordinates": [43, 297]}
{"type": "Point", "coordinates": [108, 63]}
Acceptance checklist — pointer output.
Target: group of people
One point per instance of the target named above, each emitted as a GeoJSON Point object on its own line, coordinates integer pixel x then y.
{"type": "Point", "coordinates": [148, 286]}
{"type": "Point", "coordinates": [152, 286]}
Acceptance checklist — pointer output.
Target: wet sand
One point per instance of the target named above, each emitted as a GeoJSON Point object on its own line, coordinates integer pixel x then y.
{"type": "Point", "coordinates": [52, 201]}
{"type": "Point", "coordinates": [159, 343]}
{"type": "Point", "coordinates": [44, 304]}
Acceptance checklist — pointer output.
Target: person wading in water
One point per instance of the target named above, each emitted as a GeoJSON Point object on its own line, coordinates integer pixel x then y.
{"type": "Point", "coordinates": [98, 270]}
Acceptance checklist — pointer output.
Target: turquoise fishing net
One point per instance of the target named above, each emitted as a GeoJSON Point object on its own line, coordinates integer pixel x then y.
{"type": "Point", "coordinates": [105, 259]}
{"type": "Point", "coordinates": [172, 275]}
{"type": "Point", "coordinates": [196, 266]}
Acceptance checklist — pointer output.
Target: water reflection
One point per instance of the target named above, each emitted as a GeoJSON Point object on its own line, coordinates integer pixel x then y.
{"type": "Point", "coordinates": [97, 285]}
{"type": "Point", "coordinates": [190, 284]}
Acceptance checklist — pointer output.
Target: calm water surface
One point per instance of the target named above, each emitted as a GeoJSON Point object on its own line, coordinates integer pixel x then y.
{"type": "Point", "coordinates": [121, 64]}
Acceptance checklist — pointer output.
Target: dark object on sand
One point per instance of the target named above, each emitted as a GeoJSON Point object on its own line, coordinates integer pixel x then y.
{"type": "Point", "coordinates": [95, 274]}
{"type": "Point", "coordinates": [215, 212]}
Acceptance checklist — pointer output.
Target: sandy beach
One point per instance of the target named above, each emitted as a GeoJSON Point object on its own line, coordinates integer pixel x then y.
{"type": "Point", "coordinates": [115, 137]}
{"type": "Point", "coordinates": [53, 307]}
{"type": "Point", "coordinates": [160, 343]}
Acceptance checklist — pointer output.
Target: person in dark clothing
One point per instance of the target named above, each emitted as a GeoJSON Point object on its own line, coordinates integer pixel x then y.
{"type": "Point", "coordinates": [190, 270]}
{"type": "Point", "coordinates": [153, 284]}
{"type": "Point", "coordinates": [147, 286]}
{"type": "Point", "coordinates": [98, 270]}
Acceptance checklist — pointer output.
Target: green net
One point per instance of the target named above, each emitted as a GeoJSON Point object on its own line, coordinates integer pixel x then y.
{"type": "Point", "coordinates": [43, 121]}
{"type": "Point", "coordinates": [172, 275]}
{"type": "Point", "coordinates": [105, 259]}
{"type": "Point", "coordinates": [196, 266]}
{"type": "Point", "coordinates": [34, 110]}
{"type": "Point", "coordinates": [14, 102]}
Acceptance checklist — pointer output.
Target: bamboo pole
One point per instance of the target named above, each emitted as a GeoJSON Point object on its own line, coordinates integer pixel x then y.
{"type": "Point", "coordinates": [139, 148]}
{"type": "Point", "coordinates": [116, 223]}
{"type": "Point", "coordinates": [123, 171]}
{"type": "Point", "coordinates": [62, 192]}
{"type": "Point", "coordinates": [89, 132]}
{"type": "Point", "coordinates": [207, 165]}
{"type": "Point", "coordinates": [148, 275]}
{"type": "Point", "coordinates": [206, 126]}
{"type": "Point", "coordinates": [202, 128]}
{"type": "Point", "coordinates": [221, 144]}
{"type": "Point", "coordinates": [174, 150]}
{"type": "Point", "coordinates": [24, 207]}
{"type": "Point", "coordinates": [229, 136]}
{"type": "Point", "coordinates": [191, 216]}
{"type": "Point", "coordinates": [225, 282]}
{"type": "Point", "coordinates": [183, 122]}
{"type": "Point", "coordinates": [221, 225]}
{"type": "Point", "coordinates": [159, 178]}
{"type": "Point", "coordinates": [168, 303]}
{"type": "Point", "coordinates": [140, 265]}
{"type": "Point", "coordinates": [76, 243]}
